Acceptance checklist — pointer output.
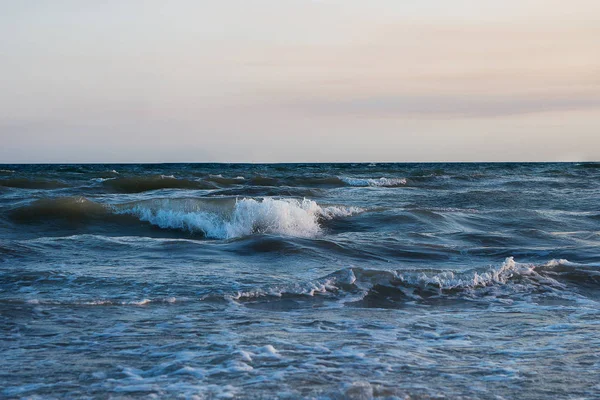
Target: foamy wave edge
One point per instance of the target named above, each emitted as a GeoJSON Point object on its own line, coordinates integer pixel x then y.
{"type": "Point", "coordinates": [350, 284]}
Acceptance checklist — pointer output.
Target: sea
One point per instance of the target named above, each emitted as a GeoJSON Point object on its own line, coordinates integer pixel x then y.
{"type": "Point", "coordinates": [293, 281]}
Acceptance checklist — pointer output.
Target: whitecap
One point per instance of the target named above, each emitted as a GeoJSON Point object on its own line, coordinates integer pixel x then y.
{"type": "Point", "coordinates": [380, 182]}
{"type": "Point", "coordinates": [289, 217]}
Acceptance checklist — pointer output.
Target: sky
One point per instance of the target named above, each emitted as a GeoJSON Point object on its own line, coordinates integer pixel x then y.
{"type": "Point", "coordinates": [299, 80]}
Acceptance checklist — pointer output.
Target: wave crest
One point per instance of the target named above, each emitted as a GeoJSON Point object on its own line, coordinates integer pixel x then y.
{"type": "Point", "coordinates": [289, 217]}
{"type": "Point", "coordinates": [382, 288]}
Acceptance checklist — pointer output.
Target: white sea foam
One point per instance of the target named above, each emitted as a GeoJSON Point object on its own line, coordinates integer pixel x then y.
{"type": "Point", "coordinates": [241, 178]}
{"type": "Point", "coordinates": [366, 279]}
{"type": "Point", "coordinates": [308, 289]}
{"type": "Point", "coordinates": [102, 179]}
{"type": "Point", "coordinates": [139, 302]}
{"type": "Point", "coordinates": [380, 182]}
{"type": "Point", "coordinates": [561, 262]}
{"type": "Point", "coordinates": [287, 217]}
{"type": "Point", "coordinates": [451, 280]}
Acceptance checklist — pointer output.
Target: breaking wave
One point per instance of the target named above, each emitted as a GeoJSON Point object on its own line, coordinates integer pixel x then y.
{"type": "Point", "coordinates": [217, 218]}
{"type": "Point", "coordinates": [231, 218]}
{"type": "Point", "coordinates": [381, 287]}
{"type": "Point", "coordinates": [360, 287]}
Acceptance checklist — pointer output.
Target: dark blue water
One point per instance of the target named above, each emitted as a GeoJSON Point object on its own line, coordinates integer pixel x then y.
{"type": "Point", "coordinates": [300, 281]}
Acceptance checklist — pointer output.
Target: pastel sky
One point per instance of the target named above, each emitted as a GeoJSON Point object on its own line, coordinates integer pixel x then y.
{"type": "Point", "coordinates": [299, 80]}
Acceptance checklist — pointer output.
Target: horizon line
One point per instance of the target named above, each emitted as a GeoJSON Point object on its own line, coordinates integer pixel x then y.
{"type": "Point", "coordinates": [299, 162]}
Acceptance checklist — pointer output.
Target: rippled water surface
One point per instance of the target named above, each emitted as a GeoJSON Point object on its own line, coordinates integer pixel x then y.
{"type": "Point", "coordinates": [326, 281]}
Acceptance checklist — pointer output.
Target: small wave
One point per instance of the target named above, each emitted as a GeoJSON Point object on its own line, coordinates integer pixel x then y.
{"type": "Point", "coordinates": [225, 181]}
{"type": "Point", "coordinates": [381, 182]}
{"type": "Point", "coordinates": [67, 208]}
{"type": "Point", "coordinates": [140, 184]}
{"type": "Point", "coordinates": [315, 181]}
{"type": "Point", "coordinates": [227, 218]}
{"type": "Point", "coordinates": [378, 287]}
{"type": "Point", "coordinates": [102, 179]}
{"type": "Point", "coordinates": [264, 181]}
{"type": "Point", "coordinates": [76, 169]}
{"type": "Point", "coordinates": [268, 191]}
{"type": "Point", "coordinates": [589, 165]}
{"type": "Point", "coordinates": [24, 183]}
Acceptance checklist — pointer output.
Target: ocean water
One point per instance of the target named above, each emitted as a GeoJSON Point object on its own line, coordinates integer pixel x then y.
{"type": "Point", "coordinates": [326, 281]}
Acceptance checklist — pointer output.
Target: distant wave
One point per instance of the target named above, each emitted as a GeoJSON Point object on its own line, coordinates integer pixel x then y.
{"type": "Point", "coordinates": [143, 183]}
{"type": "Point", "coordinates": [218, 218]}
{"type": "Point", "coordinates": [265, 181]}
{"type": "Point", "coordinates": [225, 181]}
{"type": "Point", "coordinates": [140, 184]}
{"type": "Point", "coordinates": [24, 183]}
{"type": "Point", "coordinates": [591, 165]}
{"type": "Point", "coordinates": [328, 181]}
{"type": "Point", "coordinates": [69, 209]}
{"type": "Point", "coordinates": [102, 179]}
{"type": "Point", "coordinates": [380, 182]}
{"type": "Point", "coordinates": [306, 181]}
{"type": "Point", "coordinates": [268, 191]}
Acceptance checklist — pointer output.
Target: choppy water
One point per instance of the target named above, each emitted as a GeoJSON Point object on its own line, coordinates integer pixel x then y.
{"type": "Point", "coordinates": [290, 281]}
